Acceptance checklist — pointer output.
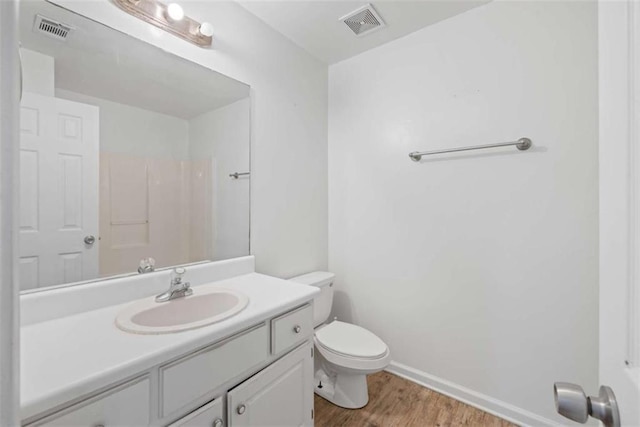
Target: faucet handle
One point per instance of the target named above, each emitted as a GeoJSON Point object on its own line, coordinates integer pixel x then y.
{"type": "Point", "coordinates": [177, 273]}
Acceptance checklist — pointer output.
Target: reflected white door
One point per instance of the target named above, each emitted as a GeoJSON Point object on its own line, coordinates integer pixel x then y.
{"type": "Point", "coordinates": [59, 143]}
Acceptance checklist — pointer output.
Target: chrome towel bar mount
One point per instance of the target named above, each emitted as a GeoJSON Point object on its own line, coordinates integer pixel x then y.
{"type": "Point", "coordinates": [522, 144]}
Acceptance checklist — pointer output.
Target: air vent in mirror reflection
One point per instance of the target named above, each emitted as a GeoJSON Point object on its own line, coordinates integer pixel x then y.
{"type": "Point", "coordinates": [51, 28]}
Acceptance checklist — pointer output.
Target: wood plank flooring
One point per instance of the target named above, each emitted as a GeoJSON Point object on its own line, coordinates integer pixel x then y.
{"type": "Point", "coordinates": [394, 401]}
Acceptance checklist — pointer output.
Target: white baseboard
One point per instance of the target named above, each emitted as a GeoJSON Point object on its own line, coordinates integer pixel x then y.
{"type": "Point", "coordinates": [486, 403]}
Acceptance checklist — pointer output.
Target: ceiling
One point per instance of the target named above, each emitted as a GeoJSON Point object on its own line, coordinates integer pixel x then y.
{"type": "Point", "coordinates": [98, 61]}
{"type": "Point", "coordinates": [315, 25]}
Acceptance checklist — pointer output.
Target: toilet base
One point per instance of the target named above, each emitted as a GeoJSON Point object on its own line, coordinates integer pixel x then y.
{"type": "Point", "coordinates": [348, 391]}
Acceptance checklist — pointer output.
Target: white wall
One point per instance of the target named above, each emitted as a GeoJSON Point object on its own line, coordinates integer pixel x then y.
{"type": "Point", "coordinates": [125, 129]}
{"type": "Point", "coordinates": [223, 135]}
{"type": "Point", "coordinates": [479, 270]}
{"type": "Point", "coordinates": [288, 129]}
{"type": "Point", "coordinates": [38, 72]}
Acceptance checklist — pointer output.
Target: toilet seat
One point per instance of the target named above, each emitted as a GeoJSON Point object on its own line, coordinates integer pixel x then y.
{"type": "Point", "coordinates": [345, 340]}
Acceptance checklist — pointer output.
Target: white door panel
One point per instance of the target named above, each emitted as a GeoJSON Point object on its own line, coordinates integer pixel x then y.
{"type": "Point", "coordinates": [58, 191]}
{"type": "Point", "coordinates": [279, 396]}
{"type": "Point", "coordinates": [619, 160]}
{"type": "Point", "coordinates": [619, 203]}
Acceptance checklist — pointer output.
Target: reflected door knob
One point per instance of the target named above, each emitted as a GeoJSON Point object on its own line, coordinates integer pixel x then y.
{"type": "Point", "coordinates": [89, 240]}
{"type": "Point", "coordinates": [297, 329]}
{"type": "Point", "coordinates": [218, 423]}
{"type": "Point", "coordinates": [241, 409]}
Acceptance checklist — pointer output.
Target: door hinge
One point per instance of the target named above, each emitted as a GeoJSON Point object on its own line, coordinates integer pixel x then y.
{"type": "Point", "coordinates": [311, 351]}
{"type": "Point", "coordinates": [312, 414]}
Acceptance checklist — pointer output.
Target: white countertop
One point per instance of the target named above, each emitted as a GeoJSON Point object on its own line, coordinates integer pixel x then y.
{"type": "Point", "coordinates": [68, 357]}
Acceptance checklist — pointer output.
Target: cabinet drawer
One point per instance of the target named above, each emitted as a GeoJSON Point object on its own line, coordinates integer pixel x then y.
{"type": "Point", "coordinates": [192, 377]}
{"type": "Point", "coordinates": [291, 328]}
{"type": "Point", "coordinates": [210, 415]}
{"type": "Point", "coordinates": [125, 405]}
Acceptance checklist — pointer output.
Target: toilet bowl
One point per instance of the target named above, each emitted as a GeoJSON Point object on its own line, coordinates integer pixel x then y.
{"type": "Point", "coordinates": [345, 353]}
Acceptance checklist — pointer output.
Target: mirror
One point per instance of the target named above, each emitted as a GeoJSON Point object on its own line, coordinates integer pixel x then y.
{"type": "Point", "coordinates": [127, 154]}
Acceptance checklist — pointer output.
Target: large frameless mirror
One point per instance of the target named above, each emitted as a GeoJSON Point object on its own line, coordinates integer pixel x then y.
{"type": "Point", "coordinates": [131, 158]}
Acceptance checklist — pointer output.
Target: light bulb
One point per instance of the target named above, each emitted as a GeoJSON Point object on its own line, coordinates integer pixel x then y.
{"type": "Point", "coordinates": [206, 29]}
{"type": "Point", "coordinates": [175, 12]}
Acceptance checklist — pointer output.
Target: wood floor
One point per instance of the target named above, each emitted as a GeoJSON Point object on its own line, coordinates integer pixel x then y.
{"type": "Point", "coordinates": [394, 401]}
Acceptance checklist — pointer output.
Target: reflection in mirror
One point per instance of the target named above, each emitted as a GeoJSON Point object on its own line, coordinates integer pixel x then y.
{"type": "Point", "coordinates": [126, 153]}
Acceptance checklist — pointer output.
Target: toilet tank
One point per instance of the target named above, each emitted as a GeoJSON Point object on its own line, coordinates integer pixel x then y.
{"type": "Point", "coordinates": [323, 301]}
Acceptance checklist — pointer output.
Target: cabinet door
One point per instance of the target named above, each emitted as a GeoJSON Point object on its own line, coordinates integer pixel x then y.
{"type": "Point", "coordinates": [280, 395]}
{"type": "Point", "coordinates": [210, 415]}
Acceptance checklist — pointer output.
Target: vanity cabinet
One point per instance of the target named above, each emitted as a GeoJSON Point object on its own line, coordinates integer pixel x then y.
{"type": "Point", "coordinates": [260, 376]}
{"type": "Point", "coordinates": [280, 395]}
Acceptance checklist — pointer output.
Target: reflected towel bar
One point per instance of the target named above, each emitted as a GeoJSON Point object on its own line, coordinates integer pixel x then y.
{"type": "Point", "coordinates": [522, 144]}
{"type": "Point", "coordinates": [235, 175]}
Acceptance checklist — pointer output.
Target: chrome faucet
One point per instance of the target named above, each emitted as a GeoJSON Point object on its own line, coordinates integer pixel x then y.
{"type": "Point", "coordinates": [178, 288]}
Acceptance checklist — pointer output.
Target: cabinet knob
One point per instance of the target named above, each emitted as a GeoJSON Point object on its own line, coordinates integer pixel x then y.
{"type": "Point", "coordinates": [297, 329]}
{"type": "Point", "coordinates": [217, 422]}
{"type": "Point", "coordinates": [241, 408]}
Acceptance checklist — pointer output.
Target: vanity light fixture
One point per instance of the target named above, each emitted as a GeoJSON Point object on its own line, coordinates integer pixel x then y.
{"type": "Point", "coordinates": [170, 18]}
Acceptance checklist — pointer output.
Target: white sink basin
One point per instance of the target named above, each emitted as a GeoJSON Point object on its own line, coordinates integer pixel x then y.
{"type": "Point", "coordinates": [207, 305]}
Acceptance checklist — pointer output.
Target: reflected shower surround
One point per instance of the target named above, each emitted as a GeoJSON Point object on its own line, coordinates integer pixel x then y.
{"type": "Point", "coordinates": [154, 207]}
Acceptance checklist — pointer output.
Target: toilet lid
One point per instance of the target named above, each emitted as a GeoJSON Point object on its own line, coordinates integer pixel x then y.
{"type": "Point", "coordinates": [350, 340]}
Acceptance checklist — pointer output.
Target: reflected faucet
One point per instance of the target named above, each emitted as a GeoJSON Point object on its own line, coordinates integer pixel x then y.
{"type": "Point", "coordinates": [177, 288]}
{"type": "Point", "coordinates": [147, 265]}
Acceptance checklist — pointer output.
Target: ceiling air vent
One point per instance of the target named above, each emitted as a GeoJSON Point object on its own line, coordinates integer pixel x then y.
{"type": "Point", "coordinates": [51, 28]}
{"type": "Point", "coordinates": [363, 20]}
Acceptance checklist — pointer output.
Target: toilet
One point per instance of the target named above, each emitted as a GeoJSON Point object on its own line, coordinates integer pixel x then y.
{"type": "Point", "coordinates": [345, 353]}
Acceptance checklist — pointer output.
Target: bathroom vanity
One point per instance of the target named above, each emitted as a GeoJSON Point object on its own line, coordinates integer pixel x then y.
{"type": "Point", "coordinates": [136, 159]}
{"type": "Point", "coordinates": [254, 368]}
